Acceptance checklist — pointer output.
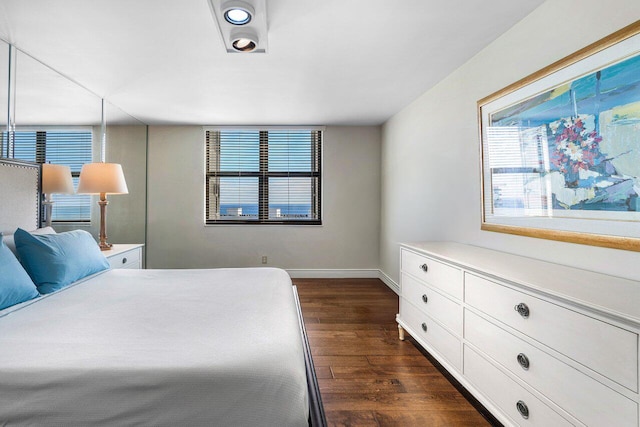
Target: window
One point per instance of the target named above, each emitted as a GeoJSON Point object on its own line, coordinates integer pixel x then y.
{"type": "Point", "coordinates": [64, 147]}
{"type": "Point", "coordinates": [263, 176]}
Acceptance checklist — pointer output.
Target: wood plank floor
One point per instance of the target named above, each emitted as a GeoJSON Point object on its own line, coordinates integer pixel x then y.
{"type": "Point", "coordinates": [367, 376]}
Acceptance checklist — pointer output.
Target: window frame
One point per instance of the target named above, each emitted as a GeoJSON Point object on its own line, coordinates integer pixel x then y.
{"type": "Point", "coordinates": [263, 176]}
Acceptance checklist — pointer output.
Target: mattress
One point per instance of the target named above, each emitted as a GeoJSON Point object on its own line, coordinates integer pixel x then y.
{"type": "Point", "coordinates": [157, 347]}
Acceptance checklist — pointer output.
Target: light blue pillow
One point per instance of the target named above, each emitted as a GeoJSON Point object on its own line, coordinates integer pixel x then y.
{"type": "Point", "coordinates": [15, 284]}
{"type": "Point", "coordinates": [56, 260]}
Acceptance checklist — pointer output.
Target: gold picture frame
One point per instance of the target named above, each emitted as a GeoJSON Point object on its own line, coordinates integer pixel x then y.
{"type": "Point", "coordinates": [560, 149]}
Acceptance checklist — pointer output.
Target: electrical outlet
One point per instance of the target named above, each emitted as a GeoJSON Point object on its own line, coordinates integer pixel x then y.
{"type": "Point", "coordinates": [264, 259]}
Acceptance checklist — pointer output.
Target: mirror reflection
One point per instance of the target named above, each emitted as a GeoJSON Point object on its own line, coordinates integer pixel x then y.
{"type": "Point", "coordinates": [46, 98]}
{"type": "Point", "coordinates": [116, 116]}
{"type": "Point", "coordinates": [4, 100]}
{"type": "Point", "coordinates": [58, 121]}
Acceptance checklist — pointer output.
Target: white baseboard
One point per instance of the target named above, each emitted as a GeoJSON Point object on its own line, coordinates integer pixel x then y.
{"type": "Point", "coordinates": [389, 282]}
{"type": "Point", "coordinates": [301, 273]}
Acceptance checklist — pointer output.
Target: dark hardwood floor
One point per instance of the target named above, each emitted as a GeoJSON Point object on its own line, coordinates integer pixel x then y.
{"type": "Point", "coordinates": [367, 376]}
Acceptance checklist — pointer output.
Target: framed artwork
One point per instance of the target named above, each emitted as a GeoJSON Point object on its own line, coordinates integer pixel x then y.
{"type": "Point", "coordinates": [560, 149]}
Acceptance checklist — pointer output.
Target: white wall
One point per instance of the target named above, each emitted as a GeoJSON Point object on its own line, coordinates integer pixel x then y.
{"type": "Point", "coordinates": [430, 149]}
{"type": "Point", "coordinates": [348, 238]}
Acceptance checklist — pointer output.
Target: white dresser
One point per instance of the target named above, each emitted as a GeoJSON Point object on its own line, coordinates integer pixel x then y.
{"type": "Point", "coordinates": [536, 343]}
{"type": "Point", "coordinates": [125, 256]}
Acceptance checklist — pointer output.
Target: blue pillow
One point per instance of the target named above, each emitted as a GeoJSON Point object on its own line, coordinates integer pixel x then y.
{"type": "Point", "coordinates": [56, 260]}
{"type": "Point", "coordinates": [15, 284]}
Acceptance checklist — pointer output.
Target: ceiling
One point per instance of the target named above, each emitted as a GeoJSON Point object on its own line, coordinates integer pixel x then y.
{"type": "Point", "coordinates": [329, 62]}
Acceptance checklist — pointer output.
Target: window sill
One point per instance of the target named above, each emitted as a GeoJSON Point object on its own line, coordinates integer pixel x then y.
{"type": "Point", "coordinates": [255, 223]}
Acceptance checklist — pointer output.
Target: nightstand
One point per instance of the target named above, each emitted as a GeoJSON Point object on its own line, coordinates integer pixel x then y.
{"type": "Point", "coordinates": [125, 256]}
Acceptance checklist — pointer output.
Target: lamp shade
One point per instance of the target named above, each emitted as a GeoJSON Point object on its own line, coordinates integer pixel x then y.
{"type": "Point", "coordinates": [97, 178]}
{"type": "Point", "coordinates": [56, 179]}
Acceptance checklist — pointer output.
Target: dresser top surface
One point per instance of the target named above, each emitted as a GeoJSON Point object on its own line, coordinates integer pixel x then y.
{"type": "Point", "coordinates": [119, 248]}
{"type": "Point", "coordinates": [608, 295]}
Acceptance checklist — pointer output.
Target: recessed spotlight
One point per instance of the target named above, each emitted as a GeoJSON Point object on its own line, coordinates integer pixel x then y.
{"type": "Point", "coordinates": [244, 41]}
{"type": "Point", "coordinates": [238, 12]}
{"type": "Point", "coordinates": [237, 16]}
{"type": "Point", "coordinates": [242, 24]}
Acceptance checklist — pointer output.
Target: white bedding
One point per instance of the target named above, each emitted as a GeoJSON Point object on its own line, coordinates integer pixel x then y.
{"type": "Point", "coordinates": [157, 348]}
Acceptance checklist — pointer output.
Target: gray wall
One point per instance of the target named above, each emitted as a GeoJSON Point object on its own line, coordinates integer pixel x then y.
{"type": "Point", "coordinates": [126, 214]}
{"type": "Point", "coordinates": [348, 238]}
{"type": "Point", "coordinates": [430, 149]}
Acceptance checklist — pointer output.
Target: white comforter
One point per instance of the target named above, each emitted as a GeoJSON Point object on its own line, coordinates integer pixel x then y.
{"type": "Point", "coordinates": [157, 348]}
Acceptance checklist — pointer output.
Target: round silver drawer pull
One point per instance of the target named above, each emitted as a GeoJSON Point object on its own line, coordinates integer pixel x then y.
{"type": "Point", "coordinates": [523, 409]}
{"type": "Point", "coordinates": [424, 327]}
{"type": "Point", "coordinates": [425, 298]}
{"type": "Point", "coordinates": [124, 260]}
{"type": "Point", "coordinates": [424, 267]}
{"type": "Point", "coordinates": [523, 360]}
{"type": "Point", "coordinates": [522, 309]}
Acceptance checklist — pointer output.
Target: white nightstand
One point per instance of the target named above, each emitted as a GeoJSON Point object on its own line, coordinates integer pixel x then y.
{"type": "Point", "coordinates": [125, 255]}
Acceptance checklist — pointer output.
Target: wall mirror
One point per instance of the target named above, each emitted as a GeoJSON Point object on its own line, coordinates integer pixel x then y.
{"type": "Point", "coordinates": [49, 107]}
{"type": "Point", "coordinates": [4, 79]}
{"type": "Point", "coordinates": [46, 98]}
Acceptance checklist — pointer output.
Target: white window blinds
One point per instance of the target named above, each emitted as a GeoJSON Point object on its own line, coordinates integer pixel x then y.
{"type": "Point", "coordinates": [72, 148]}
{"type": "Point", "coordinates": [263, 176]}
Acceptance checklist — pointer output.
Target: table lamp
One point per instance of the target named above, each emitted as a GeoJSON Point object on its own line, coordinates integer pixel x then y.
{"type": "Point", "coordinates": [56, 179]}
{"type": "Point", "coordinates": [102, 178]}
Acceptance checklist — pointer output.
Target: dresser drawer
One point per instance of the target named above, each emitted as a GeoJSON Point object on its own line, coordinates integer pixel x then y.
{"type": "Point", "coordinates": [607, 349]}
{"type": "Point", "coordinates": [437, 274]}
{"type": "Point", "coordinates": [445, 343]}
{"type": "Point", "coordinates": [505, 393]}
{"type": "Point", "coordinates": [129, 259]}
{"type": "Point", "coordinates": [430, 302]}
{"type": "Point", "coordinates": [578, 394]}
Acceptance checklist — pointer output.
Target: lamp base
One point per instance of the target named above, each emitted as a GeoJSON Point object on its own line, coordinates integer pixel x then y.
{"type": "Point", "coordinates": [103, 202]}
{"type": "Point", "coordinates": [104, 246]}
{"type": "Point", "coordinates": [48, 210]}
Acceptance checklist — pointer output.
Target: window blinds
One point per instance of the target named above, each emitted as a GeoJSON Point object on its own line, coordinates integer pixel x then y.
{"type": "Point", "coordinates": [72, 148]}
{"type": "Point", "coordinates": [263, 176]}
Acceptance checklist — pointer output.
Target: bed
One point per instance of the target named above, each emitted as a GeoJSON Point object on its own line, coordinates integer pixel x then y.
{"type": "Point", "coordinates": [152, 347]}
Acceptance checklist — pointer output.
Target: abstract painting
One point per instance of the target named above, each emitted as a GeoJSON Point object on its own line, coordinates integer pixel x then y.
{"type": "Point", "coordinates": [561, 148]}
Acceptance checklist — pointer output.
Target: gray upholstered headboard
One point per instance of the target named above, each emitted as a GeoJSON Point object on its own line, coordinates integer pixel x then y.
{"type": "Point", "coordinates": [19, 195]}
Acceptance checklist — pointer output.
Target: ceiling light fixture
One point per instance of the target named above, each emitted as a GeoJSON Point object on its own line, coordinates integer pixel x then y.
{"type": "Point", "coordinates": [242, 24]}
{"type": "Point", "coordinates": [245, 41]}
{"type": "Point", "coordinates": [238, 12]}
